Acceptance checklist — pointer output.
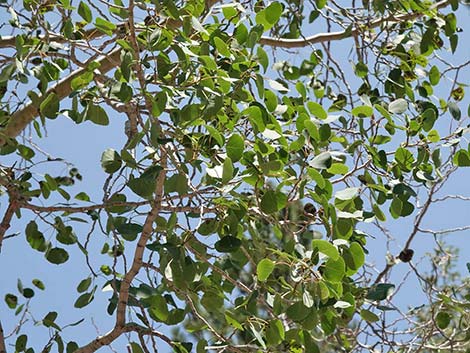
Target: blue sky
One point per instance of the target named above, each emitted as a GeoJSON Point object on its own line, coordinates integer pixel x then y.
{"type": "Point", "coordinates": [83, 144]}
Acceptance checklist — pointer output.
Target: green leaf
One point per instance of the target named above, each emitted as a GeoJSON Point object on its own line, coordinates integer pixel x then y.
{"type": "Point", "coordinates": [136, 348]}
{"type": "Point", "coordinates": [84, 299]}
{"type": "Point", "coordinates": [361, 70]}
{"type": "Point", "coordinates": [275, 333]}
{"type": "Point", "coordinates": [309, 343]}
{"type": "Point", "coordinates": [129, 231]}
{"type": "Point", "coordinates": [28, 293]}
{"type": "Point", "coordinates": [347, 194]}
{"type": "Point", "coordinates": [34, 237]}
{"type": "Point", "coordinates": [317, 110]}
{"type": "Point", "coordinates": [38, 284]}
{"type": "Point", "coordinates": [369, 316]}
{"type": "Point", "coordinates": [434, 75]}
{"type": "Point", "coordinates": [398, 106]}
{"type": "Point", "coordinates": [264, 268]}
{"type": "Point", "coordinates": [232, 320]}
{"type": "Point", "coordinates": [338, 168]}
{"type": "Point", "coordinates": [21, 342]}
{"type": "Point", "coordinates": [400, 208]}
{"type": "Point", "coordinates": [49, 319]}
{"type": "Point", "coordinates": [11, 300]}
{"type": "Point", "coordinates": [235, 147]}
{"type": "Point", "coordinates": [26, 152]}
{"type": "Point", "coordinates": [177, 183]}
{"type": "Point", "coordinates": [85, 12]}
{"type": "Point", "coordinates": [454, 110]}
{"type": "Point", "coordinates": [268, 202]}
{"type": "Point", "coordinates": [65, 234]}
{"type": "Point", "coordinates": [227, 170]}
{"type": "Point", "coordinates": [228, 244]}
{"type": "Point", "coordinates": [84, 285]}
{"type": "Point", "coordinates": [443, 320]}
{"type": "Point", "coordinates": [380, 291]}
{"type": "Point", "coordinates": [159, 308]}
{"type": "Point", "coordinates": [269, 16]}
{"type": "Point", "coordinates": [334, 270]}
{"type": "Point", "coordinates": [222, 47]}
{"type": "Point", "coordinates": [111, 161]}
{"type": "Point", "coordinates": [96, 114]}
{"type": "Point", "coordinates": [462, 158]}
{"type": "Point", "coordinates": [82, 81]}
{"type": "Point", "coordinates": [257, 335]}
{"type": "Point", "coordinates": [362, 111]}
{"type": "Point", "coordinates": [322, 161]}
{"type": "Point", "coordinates": [71, 347]}
{"type": "Point", "coordinates": [82, 196]}
{"type": "Point", "coordinates": [208, 226]}
{"type": "Point", "coordinates": [312, 129]}
{"type": "Point", "coordinates": [144, 185]}
{"type": "Point", "coordinates": [57, 256]}
{"type": "Point", "coordinates": [355, 258]}
{"type": "Point", "coordinates": [404, 159]}
{"type": "Point", "coordinates": [433, 136]}
{"type": "Point", "coordinates": [50, 106]}
{"type": "Point", "coordinates": [325, 247]}
{"type": "Point", "coordinates": [263, 58]}
{"type": "Point", "coordinates": [297, 312]}
{"type": "Point", "coordinates": [105, 26]}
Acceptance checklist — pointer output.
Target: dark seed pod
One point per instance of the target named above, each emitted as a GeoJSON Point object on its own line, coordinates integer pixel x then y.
{"type": "Point", "coordinates": [406, 255]}
{"type": "Point", "coordinates": [310, 209]}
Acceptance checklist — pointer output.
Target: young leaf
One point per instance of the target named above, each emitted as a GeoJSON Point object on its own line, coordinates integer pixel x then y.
{"type": "Point", "coordinates": [111, 161]}
{"type": "Point", "coordinates": [264, 268]}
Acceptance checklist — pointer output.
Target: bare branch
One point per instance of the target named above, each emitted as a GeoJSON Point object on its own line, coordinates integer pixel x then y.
{"type": "Point", "coordinates": [334, 36]}
{"type": "Point", "coordinates": [2, 340]}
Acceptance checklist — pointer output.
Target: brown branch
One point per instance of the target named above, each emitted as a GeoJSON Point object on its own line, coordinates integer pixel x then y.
{"type": "Point", "coordinates": [10, 41]}
{"type": "Point", "coordinates": [85, 209]}
{"type": "Point", "coordinates": [6, 221]}
{"type": "Point", "coordinates": [135, 267]}
{"type": "Point", "coordinates": [2, 340]}
{"type": "Point", "coordinates": [21, 118]}
{"type": "Point", "coordinates": [334, 36]}
{"type": "Point", "coordinates": [5, 181]}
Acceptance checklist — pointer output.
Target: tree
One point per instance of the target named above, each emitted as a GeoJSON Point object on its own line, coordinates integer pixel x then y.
{"type": "Point", "coordinates": [240, 204]}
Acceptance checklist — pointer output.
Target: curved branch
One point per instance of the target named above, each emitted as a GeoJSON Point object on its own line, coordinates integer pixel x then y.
{"type": "Point", "coordinates": [21, 118]}
{"type": "Point", "coordinates": [333, 36]}
{"type": "Point", "coordinates": [90, 34]}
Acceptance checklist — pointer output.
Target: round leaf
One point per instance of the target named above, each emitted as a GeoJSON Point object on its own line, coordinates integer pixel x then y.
{"type": "Point", "coordinates": [228, 244]}
{"type": "Point", "coordinates": [111, 161]}
{"type": "Point", "coordinates": [57, 256]}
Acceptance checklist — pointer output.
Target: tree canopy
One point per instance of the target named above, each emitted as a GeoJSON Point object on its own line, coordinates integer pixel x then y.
{"type": "Point", "coordinates": [258, 149]}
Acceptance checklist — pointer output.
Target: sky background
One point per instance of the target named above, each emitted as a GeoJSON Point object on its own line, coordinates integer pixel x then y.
{"type": "Point", "coordinates": [83, 144]}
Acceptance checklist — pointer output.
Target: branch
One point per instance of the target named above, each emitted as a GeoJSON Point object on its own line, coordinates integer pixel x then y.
{"type": "Point", "coordinates": [135, 268]}
{"type": "Point", "coordinates": [90, 34]}
{"type": "Point", "coordinates": [85, 209]}
{"type": "Point", "coordinates": [417, 223]}
{"type": "Point", "coordinates": [5, 225]}
{"type": "Point", "coordinates": [2, 340]}
{"type": "Point", "coordinates": [333, 36]}
{"type": "Point", "coordinates": [21, 118]}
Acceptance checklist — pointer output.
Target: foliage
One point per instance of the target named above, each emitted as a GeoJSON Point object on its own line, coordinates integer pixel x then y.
{"type": "Point", "coordinates": [240, 199]}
